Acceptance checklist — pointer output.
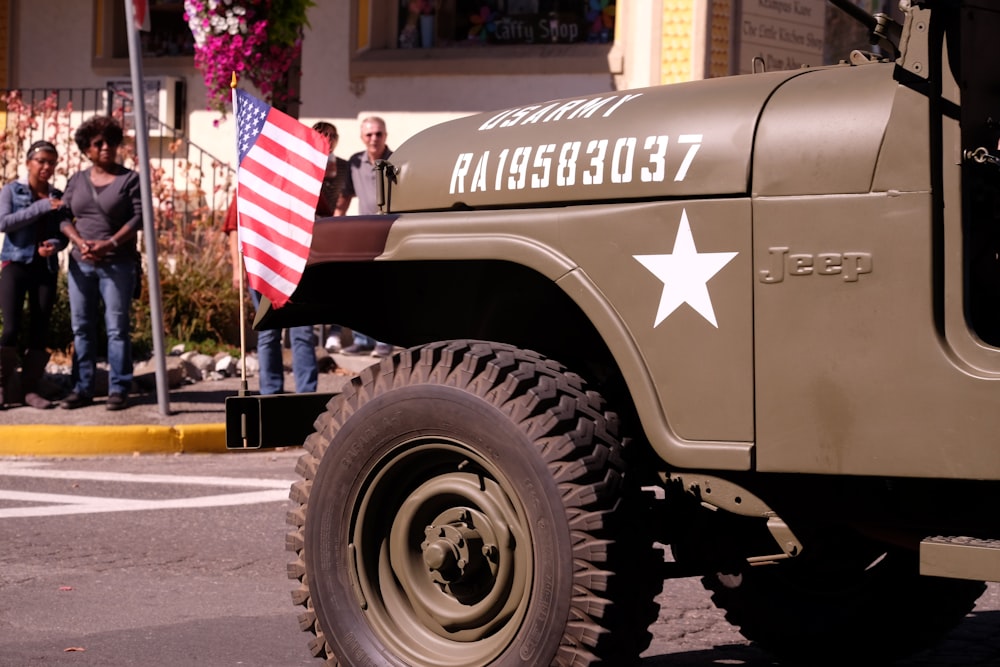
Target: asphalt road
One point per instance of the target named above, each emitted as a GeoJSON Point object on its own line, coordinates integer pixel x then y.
{"type": "Point", "coordinates": [180, 560]}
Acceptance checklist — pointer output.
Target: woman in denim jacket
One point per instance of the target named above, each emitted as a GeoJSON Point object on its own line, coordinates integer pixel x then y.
{"type": "Point", "coordinates": [29, 219]}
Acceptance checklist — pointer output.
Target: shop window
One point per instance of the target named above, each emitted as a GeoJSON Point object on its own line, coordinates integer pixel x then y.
{"type": "Point", "coordinates": [414, 37]}
{"type": "Point", "coordinates": [169, 35]}
{"type": "Point", "coordinates": [473, 23]}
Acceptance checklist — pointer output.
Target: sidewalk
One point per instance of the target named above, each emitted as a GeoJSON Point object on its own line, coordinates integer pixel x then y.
{"type": "Point", "coordinates": [196, 423]}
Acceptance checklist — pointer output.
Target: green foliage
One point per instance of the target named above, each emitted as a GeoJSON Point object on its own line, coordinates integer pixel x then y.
{"type": "Point", "coordinates": [209, 347]}
{"type": "Point", "coordinates": [286, 19]}
{"type": "Point", "coordinates": [198, 302]}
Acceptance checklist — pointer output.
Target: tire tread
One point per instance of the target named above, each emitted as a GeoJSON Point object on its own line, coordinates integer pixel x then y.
{"type": "Point", "coordinates": [578, 440]}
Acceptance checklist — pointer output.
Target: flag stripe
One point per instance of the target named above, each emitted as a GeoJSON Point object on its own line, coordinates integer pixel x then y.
{"type": "Point", "coordinates": [281, 168]}
{"type": "Point", "coordinates": [294, 166]}
{"type": "Point", "coordinates": [288, 272]}
{"type": "Point", "coordinates": [297, 143]}
{"type": "Point", "coordinates": [279, 193]}
{"type": "Point", "coordinates": [280, 284]}
{"type": "Point", "coordinates": [275, 233]}
{"type": "Point", "coordinates": [261, 236]}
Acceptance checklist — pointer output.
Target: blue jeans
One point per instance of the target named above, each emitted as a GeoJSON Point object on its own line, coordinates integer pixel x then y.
{"type": "Point", "coordinates": [89, 284]}
{"type": "Point", "coordinates": [272, 371]}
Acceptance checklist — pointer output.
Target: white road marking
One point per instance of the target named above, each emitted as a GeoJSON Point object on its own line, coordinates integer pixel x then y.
{"type": "Point", "coordinates": [57, 504]}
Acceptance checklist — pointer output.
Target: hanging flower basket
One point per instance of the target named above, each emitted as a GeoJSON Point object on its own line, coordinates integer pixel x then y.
{"type": "Point", "coordinates": [257, 39]}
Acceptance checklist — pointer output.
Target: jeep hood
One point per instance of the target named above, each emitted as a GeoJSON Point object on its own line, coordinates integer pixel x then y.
{"type": "Point", "coordinates": [684, 140]}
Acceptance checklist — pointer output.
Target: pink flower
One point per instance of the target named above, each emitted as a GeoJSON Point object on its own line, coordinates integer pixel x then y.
{"type": "Point", "coordinates": [233, 36]}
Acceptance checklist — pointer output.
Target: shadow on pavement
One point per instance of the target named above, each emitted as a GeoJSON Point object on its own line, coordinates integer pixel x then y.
{"type": "Point", "coordinates": [976, 642]}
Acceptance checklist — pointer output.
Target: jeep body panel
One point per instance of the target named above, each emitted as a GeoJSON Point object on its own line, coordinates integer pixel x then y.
{"type": "Point", "coordinates": [828, 292]}
{"type": "Point", "coordinates": [812, 139]}
{"type": "Point", "coordinates": [710, 417]}
{"type": "Point", "coordinates": [853, 375]}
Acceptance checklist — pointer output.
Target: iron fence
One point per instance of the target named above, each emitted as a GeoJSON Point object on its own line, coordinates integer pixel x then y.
{"type": "Point", "coordinates": [190, 186]}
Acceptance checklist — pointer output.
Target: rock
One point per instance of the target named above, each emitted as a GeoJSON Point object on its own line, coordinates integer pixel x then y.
{"type": "Point", "coordinates": [144, 375]}
{"type": "Point", "coordinates": [204, 363]}
{"type": "Point", "coordinates": [192, 373]}
{"type": "Point", "coordinates": [226, 365]}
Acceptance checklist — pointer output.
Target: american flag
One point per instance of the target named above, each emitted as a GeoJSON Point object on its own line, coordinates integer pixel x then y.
{"type": "Point", "coordinates": [281, 167]}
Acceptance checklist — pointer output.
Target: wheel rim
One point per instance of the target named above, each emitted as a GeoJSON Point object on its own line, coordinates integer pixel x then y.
{"type": "Point", "coordinates": [442, 554]}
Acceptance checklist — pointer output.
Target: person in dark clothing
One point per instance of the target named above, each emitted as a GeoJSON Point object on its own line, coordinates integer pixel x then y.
{"type": "Point", "coordinates": [29, 220]}
{"type": "Point", "coordinates": [337, 171]}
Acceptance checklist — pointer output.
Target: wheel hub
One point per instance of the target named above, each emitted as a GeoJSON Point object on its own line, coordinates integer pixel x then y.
{"type": "Point", "coordinates": [454, 550]}
{"type": "Point", "coordinates": [454, 553]}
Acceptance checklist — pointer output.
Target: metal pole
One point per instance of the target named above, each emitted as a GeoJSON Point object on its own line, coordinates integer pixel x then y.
{"type": "Point", "coordinates": [244, 390]}
{"type": "Point", "coordinates": [146, 191]}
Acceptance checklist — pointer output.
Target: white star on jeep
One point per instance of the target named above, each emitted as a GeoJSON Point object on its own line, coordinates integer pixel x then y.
{"type": "Point", "coordinates": [685, 274]}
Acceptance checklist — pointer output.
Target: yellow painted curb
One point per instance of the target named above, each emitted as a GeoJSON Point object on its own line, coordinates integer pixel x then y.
{"type": "Point", "coordinates": [46, 440]}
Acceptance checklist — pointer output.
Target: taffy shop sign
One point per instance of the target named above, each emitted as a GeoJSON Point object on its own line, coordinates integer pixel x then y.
{"type": "Point", "coordinates": [535, 29]}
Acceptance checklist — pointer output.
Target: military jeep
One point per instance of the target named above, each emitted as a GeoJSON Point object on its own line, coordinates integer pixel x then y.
{"type": "Point", "coordinates": [753, 319]}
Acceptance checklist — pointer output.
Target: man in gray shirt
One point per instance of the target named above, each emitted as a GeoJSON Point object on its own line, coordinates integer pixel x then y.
{"type": "Point", "coordinates": [361, 177]}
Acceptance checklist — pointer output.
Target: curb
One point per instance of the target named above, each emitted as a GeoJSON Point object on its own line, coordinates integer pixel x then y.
{"type": "Point", "coordinates": [44, 440]}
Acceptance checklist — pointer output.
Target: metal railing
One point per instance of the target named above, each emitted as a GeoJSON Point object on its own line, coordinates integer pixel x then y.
{"type": "Point", "coordinates": [190, 186]}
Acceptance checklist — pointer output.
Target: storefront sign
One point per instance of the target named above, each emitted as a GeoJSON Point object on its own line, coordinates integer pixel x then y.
{"type": "Point", "coordinates": [780, 34]}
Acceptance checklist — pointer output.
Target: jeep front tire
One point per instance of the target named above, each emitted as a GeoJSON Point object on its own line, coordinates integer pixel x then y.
{"type": "Point", "coordinates": [462, 504]}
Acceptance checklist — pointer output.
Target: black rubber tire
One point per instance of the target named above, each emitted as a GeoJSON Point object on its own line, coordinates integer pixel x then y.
{"type": "Point", "coordinates": [857, 603]}
{"type": "Point", "coordinates": [457, 449]}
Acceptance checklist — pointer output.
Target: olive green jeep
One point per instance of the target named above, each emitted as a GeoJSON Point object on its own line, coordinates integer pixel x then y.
{"type": "Point", "coordinates": [755, 319]}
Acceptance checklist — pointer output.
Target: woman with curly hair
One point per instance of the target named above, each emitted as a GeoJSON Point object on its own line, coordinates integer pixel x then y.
{"type": "Point", "coordinates": [106, 215]}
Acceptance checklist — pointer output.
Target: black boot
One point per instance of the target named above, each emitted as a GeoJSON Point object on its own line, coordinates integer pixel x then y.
{"type": "Point", "coordinates": [31, 379]}
{"type": "Point", "coordinates": [8, 374]}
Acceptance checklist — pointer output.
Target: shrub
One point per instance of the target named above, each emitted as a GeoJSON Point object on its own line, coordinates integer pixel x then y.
{"type": "Point", "coordinates": [198, 301]}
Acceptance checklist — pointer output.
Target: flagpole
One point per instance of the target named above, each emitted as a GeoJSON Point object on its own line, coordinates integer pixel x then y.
{"type": "Point", "coordinates": [244, 389]}
{"type": "Point", "coordinates": [145, 191]}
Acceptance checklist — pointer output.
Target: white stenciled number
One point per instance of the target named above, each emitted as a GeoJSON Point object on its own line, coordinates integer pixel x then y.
{"type": "Point", "coordinates": [500, 168]}
{"type": "Point", "coordinates": [694, 143]}
{"type": "Point", "coordinates": [514, 165]}
{"type": "Point", "coordinates": [657, 158]}
{"type": "Point", "coordinates": [566, 172]}
{"type": "Point", "coordinates": [519, 168]}
{"type": "Point", "coordinates": [543, 164]}
{"type": "Point", "coordinates": [621, 161]}
{"type": "Point", "coordinates": [598, 148]}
